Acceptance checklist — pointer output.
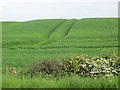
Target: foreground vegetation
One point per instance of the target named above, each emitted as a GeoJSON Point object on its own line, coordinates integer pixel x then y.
{"type": "Point", "coordinates": [34, 41]}
{"type": "Point", "coordinates": [105, 66]}
{"type": "Point", "coordinates": [11, 81]}
{"type": "Point", "coordinates": [74, 72]}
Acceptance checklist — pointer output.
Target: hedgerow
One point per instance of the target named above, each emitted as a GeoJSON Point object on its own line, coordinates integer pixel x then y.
{"type": "Point", "coordinates": [105, 66]}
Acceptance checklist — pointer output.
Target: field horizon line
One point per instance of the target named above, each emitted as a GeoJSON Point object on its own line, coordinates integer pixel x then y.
{"type": "Point", "coordinates": [57, 19]}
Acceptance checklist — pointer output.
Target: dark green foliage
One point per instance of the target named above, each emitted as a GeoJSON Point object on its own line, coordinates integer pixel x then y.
{"type": "Point", "coordinates": [52, 67]}
{"type": "Point", "coordinates": [82, 66]}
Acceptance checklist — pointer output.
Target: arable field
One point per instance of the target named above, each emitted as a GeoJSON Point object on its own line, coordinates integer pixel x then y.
{"type": "Point", "coordinates": [24, 43]}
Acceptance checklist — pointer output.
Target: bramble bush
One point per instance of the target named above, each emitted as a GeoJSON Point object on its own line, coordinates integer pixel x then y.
{"type": "Point", "coordinates": [105, 66]}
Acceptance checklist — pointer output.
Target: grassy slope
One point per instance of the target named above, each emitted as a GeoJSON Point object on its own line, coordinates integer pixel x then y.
{"type": "Point", "coordinates": [27, 42]}
{"type": "Point", "coordinates": [63, 29]}
{"type": "Point", "coordinates": [28, 32]}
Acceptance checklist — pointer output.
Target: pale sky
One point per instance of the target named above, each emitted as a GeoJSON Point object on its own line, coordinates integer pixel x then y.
{"type": "Point", "coordinates": [24, 10]}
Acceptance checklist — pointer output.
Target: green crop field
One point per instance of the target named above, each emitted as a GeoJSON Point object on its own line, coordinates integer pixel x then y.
{"type": "Point", "coordinates": [24, 43]}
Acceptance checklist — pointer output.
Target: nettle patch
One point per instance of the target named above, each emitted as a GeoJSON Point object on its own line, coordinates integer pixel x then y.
{"type": "Point", "coordinates": [105, 66]}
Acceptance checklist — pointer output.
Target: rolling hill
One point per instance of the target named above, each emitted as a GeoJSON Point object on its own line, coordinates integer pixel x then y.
{"type": "Point", "coordinates": [26, 42]}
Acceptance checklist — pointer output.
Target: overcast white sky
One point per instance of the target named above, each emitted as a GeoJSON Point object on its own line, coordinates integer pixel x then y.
{"type": "Point", "coordinates": [23, 10]}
